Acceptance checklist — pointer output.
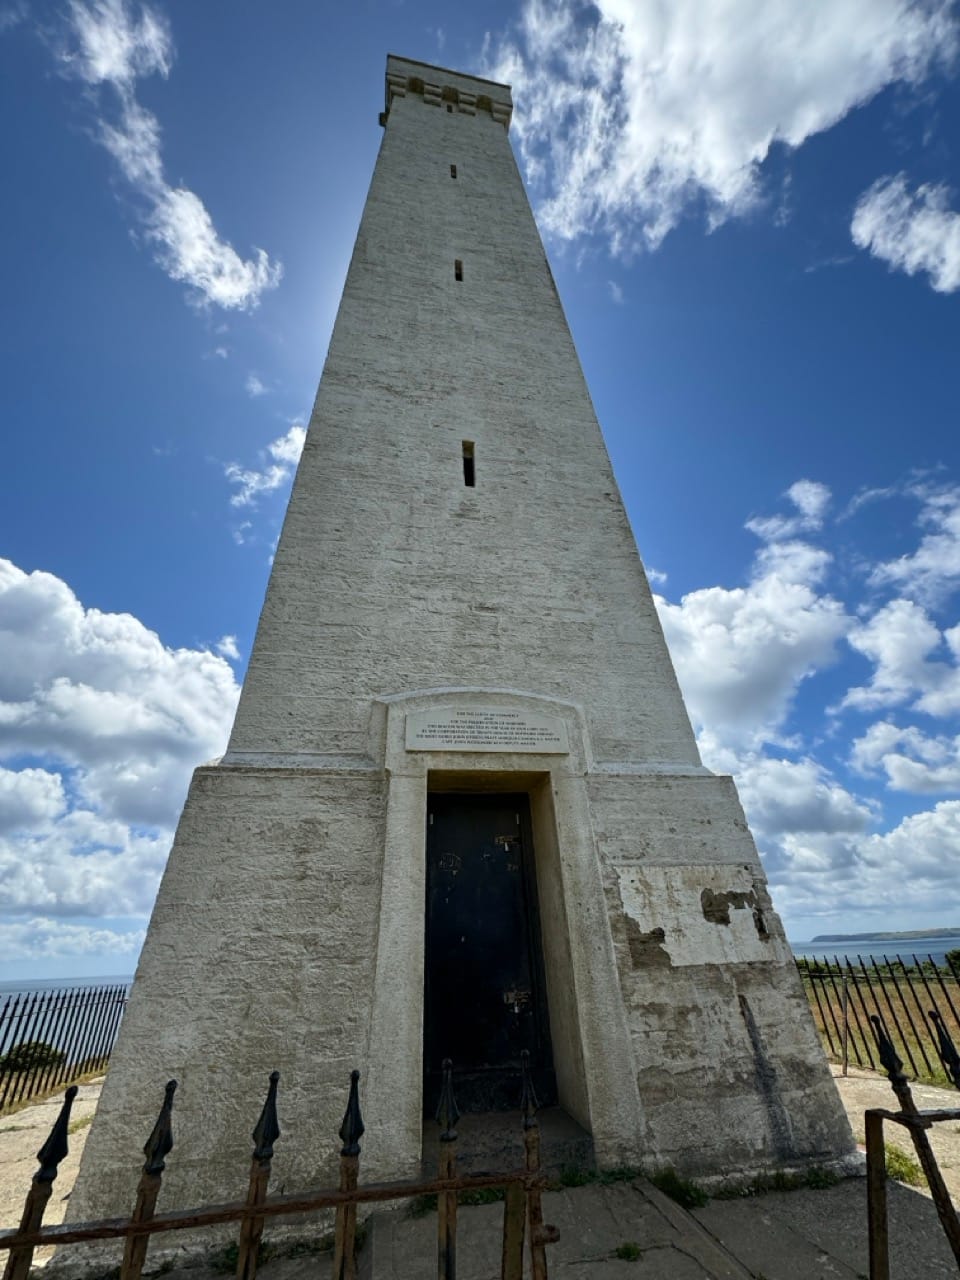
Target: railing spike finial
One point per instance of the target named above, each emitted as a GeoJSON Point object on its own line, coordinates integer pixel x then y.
{"type": "Point", "coordinates": [268, 1126]}
{"type": "Point", "coordinates": [55, 1148]}
{"type": "Point", "coordinates": [160, 1143]}
{"type": "Point", "coordinates": [351, 1131]}
{"type": "Point", "coordinates": [529, 1103]}
{"type": "Point", "coordinates": [946, 1048]}
{"type": "Point", "coordinates": [888, 1055]}
{"type": "Point", "coordinates": [448, 1113]}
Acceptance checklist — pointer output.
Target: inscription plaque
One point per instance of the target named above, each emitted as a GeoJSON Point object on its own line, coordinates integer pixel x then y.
{"type": "Point", "coordinates": [485, 729]}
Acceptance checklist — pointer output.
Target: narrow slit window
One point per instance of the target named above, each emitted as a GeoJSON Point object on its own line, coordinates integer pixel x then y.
{"type": "Point", "coordinates": [469, 465]}
{"type": "Point", "coordinates": [457, 269]}
{"type": "Point", "coordinates": [453, 171]}
{"type": "Point", "coordinates": [449, 106]}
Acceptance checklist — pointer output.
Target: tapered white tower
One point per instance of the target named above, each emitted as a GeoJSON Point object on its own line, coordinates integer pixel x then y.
{"type": "Point", "coordinates": [462, 810]}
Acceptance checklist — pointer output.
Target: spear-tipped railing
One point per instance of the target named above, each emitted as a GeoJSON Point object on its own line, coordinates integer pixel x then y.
{"type": "Point", "coordinates": [265, 1134]}
{"type": "Point", "coordinates": [50, 1155]}
{"type": "Point", "coordinates": [917, 1123]}
{"type": "Point", "coordinates": [522, 1211]}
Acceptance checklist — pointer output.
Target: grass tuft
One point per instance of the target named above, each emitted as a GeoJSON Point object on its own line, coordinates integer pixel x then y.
{"type": "Point", "coordinates": [686, 1193]}
{"type": "Point", "coordinates": [903, 1167]}
{"type": "Point", "coordinates": [628, 1251]}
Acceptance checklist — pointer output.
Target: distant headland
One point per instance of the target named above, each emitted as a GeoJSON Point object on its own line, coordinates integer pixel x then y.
{"type": "Point", "coordinates": [909, 935]}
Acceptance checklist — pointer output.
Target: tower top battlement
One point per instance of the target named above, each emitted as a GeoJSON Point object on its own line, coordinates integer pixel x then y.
{"type": "Point", "coordinates": [439, 86]}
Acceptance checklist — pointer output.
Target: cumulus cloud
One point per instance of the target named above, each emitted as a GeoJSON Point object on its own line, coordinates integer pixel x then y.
{"type": "Point", "coordinates": [911, 868]}
{"type": "Point", "coordinates": [910, 231]}
{"type": "Point", "coordinates": [915, 664]}
{"type": "Point", "coordinates": [742, 652]}
{"type": "Point", "coordinates": [254, 387]}
{"type": "Point", "coordinates": [109, 44]}
{"type": "Point", "coordinates": [227, 647]}
{"type": "Point", "coordinates": [42, 938]}
{"type": "Point", "coordinates": [280, 460]}
{"type": "Point", "coordinates": [117, 722]}
{"type": "Point", "coordinates": [629, 112]}
{"type": "Point", "coordinates": [911, 759]}
{"type": "Point", "coordinates": [810, 500]}
{"type": "Point", "coordinates": [931, 572]}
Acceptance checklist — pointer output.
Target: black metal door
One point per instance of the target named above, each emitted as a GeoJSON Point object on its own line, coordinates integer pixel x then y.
{"type": "Point", "coordinates": [485, 996]}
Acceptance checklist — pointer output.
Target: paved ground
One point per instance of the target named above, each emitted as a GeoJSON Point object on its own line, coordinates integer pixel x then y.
{"type": "Point", "coordinates": [796, 1235]}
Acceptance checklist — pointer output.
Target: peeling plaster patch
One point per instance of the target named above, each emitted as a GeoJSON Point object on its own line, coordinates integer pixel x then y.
{"type": "Point", "coordinates": [646, 949]}
{"type": "Point", "coordinates": [716, 906]}
{"type": "Point", "coordinates": [716, 909]}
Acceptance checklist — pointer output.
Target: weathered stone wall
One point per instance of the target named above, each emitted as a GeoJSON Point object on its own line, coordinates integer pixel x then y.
{"type": "Point", "coordinates": [289, 927]}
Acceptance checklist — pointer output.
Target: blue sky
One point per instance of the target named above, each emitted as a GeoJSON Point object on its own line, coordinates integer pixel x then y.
{"type": "Point", "coordinates": [753, 213]}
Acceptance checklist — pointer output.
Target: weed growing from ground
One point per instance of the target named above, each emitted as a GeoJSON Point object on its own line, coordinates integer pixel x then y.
{"type": "Point", "coordinates": [903, 1167]}
{"type": "Point", "coordinates": [686, 1193]}
{"type": "Point", "coordinates": [628, 1251]}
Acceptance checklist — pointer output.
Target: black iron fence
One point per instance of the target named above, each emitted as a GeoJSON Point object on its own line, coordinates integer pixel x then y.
{"type": "Point", "coordinates": [522, 1187]}
{"type": "Point", "coordinates": [908, 995]}
{"type": "Point", "coordinates": [48, 1038]}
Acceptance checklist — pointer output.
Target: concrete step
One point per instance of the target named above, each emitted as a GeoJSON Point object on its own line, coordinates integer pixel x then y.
{"type": "Point", "coordinates": [492, 1141]}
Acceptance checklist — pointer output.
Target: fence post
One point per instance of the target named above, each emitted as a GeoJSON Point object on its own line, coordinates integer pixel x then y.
{"type": "Point", "coordinates": [50, 1154]}
{"type": "Point", "coordinates": [917, 1130]}
{"type": "Point", "coordinates": [157, 1147]}
{"type": "Point", "coordinates": [351, 1131]}
{"type": "Point", "coordinates": [264, 1136]}
{"type": "Point", "coordinates": [846, 1027]}
{"type": "Point", "coordinates": [877, 1197]}
{"type": "Point", "coordinates": [946, 1048]}
{"type": "Point", "coordinates": [448, 1113]}
{"type": "Point", "coordinates": [540, 1233]}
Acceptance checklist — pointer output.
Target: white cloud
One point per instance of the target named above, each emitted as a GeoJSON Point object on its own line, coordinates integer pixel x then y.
{"type": "Point", "coordinates": [111, 43]}
{"type": "Point", "coordinates": [915, 664]}
{"type": "Point", "coordinates": [117, 721]}
{"type": "Point", "coordinates": [911, 759]}
{"type": "Point", "coordinates": [631, 111]}
{"type": "Point", "coordinates": [227, 647]}
{"type": "Point", "coordinates": [741, 652]}
{"type": "Point", "coordinates": [656, 576]}
{"type": "Point", "coordinates": [43, 938]}
{"type": "Point", "coordinates": [912, 232]}
{"type": "Point", "coordinates": [810, 498]}
{"type": "Point", "coordinates": [933, 570]}
{"type": "Point", "coordinates": [282, 456]}
{"type": "Point", "coordinates": [254, 387]}
{"type": "Point", "coordinates": [616, 292]}
{"type": "Point", "coordinates": [909, 870]}
{"type": "Point", "coordinates": [28, 797]}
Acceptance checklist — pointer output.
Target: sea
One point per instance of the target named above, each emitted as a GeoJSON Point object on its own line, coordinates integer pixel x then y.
{"type": "Point", "coordinates": [60, 984]}
{"type": "Point", "coordinates": [934, 948]}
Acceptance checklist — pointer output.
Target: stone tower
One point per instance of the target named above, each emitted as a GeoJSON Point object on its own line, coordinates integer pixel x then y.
{"type": "Point", "coordinates": [462, 809]}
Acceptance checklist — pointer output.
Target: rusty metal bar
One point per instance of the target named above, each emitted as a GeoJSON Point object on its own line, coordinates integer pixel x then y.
{"type": "Point", "coordinates": [276, 1206]}
{"type": "Point", "coordinates": [928, 1017]}
{"type": "Point", "coordinates": [851, 977]}
{"type": "Point", "coordinates": [877, 1225]}
{"type": "Point", "coordinates": [816, 995]}
{"type": "Point", "coordinates": [514, 1226]}
{"type": "Point", "coordinates": [74, 1006]}
{"type": "Point", "coordinates": [44, 1023]}
{"type": "Point", "coordinates": [23, 1019]}
{"type": "Point", "coordinates": [345, 1231]}
{"type": "Point", "coordinates": [156, 1149]}
{"type": "Point", "coordinates": [906, 1009]}
{"type": "Point", "coordinates": [53, 1073]}
{"type": "Point", "coordinates": [946, 1048]}
{"type": "Point", "coordinates": [265, 1134]}
{"type": "Point", "coordinates": [946, 993]}
{"type": "Point", "coordinates": [893, 1014]}
{"type": "Point", "coordinates": [830, 1004]}
{"type": "Point", "coordinates": [541, 1234]}
{"type": "Point", "coordinates": [918, 1126]}
{"type": "Point", "coordinates": [41, 1187]}
{"type": "Point", "coordinates": [448, 1113]}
